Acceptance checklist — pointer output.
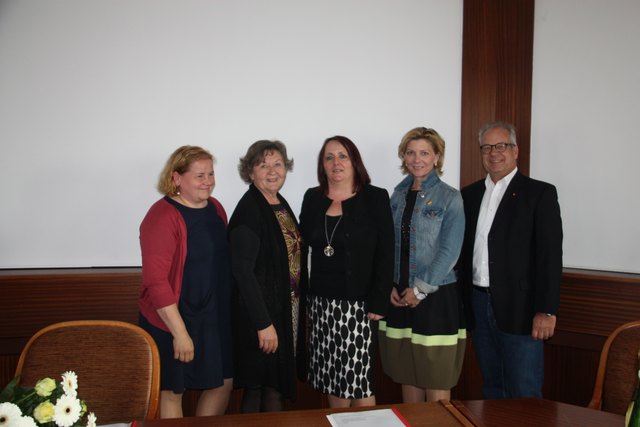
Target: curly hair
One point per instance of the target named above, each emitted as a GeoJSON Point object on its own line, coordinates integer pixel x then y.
{"type": "Point", "coordinates": [256, 154]}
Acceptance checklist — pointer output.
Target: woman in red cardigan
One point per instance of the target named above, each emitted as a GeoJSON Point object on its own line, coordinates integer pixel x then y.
{"type": "Point", "coordinates": [185, 293]}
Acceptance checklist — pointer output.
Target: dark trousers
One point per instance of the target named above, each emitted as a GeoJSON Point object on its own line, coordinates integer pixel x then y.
{"type": "Point", "coordinates": [512, 365]}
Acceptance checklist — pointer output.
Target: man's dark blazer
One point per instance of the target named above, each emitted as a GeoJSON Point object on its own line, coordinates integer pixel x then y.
{"type": "Point", "coordinates": [525, 252]}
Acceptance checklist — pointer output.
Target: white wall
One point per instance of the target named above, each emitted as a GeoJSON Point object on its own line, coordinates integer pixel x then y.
{"type": "Point", "coordinates": [586, 109]}
{"type": "Point", "coordinates": [95, 95]}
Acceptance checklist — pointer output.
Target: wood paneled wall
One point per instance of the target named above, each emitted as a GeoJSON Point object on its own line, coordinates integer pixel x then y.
{"type": "Point", "coordinates": [592, 305]}
{"type": "Point", "coordinates": [497, 67]}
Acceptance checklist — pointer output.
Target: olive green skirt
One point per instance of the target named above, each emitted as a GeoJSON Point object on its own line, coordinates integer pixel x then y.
{"type": "Point", "coordinates": [424, 346]}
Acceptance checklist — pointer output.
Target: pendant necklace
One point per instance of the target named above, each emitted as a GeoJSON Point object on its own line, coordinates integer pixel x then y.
{"type": "Point", "coordinates": [328, 250]}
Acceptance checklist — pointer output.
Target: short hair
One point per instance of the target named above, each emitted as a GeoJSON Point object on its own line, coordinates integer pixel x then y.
{"type": "Point", "coordinates": [256, 154]}
{"type": "Point", "coordinates": [180, 161]}
{"type": "Point", "coordinates": [432, 137]}
{"type": "Point", "coordinates": [360, 174]}
{"type": "Point", "coordinates": [500, 125]}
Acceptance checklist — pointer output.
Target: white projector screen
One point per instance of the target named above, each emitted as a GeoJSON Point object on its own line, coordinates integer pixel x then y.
{"type": "Point", "coordinates": [95, 95]}
{"type": "Point", "coordinates": [586, 92]}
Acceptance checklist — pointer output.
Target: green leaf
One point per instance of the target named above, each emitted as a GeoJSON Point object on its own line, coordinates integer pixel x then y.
{"type": "Point", "coordinates": [10, 390]}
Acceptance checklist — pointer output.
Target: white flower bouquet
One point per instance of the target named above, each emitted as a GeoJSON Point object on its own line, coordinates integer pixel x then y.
{"type": "Point", "coordinates": [48, 404]}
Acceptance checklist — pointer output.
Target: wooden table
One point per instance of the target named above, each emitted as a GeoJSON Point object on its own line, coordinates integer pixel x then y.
{"type": "Point", "coordinates": [468, 413]}
{"type": "Point", "coordinates": [534, 413]}
{"type": "Point", "coordinates": [432, 414]}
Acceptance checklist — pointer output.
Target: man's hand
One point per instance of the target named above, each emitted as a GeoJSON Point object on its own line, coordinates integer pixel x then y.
{"type": "Point", "coordinates": [543, 326]}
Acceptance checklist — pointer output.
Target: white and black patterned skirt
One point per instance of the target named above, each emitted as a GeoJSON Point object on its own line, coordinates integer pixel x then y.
{"type": "Point", "coordinates": [342, 348]}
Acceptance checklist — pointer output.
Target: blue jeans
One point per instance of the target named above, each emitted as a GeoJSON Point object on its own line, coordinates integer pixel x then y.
{"type": "Point", "coordinates": [511, 365]}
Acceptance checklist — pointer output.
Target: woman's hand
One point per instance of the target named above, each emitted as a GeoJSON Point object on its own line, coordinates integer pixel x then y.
{"type": "Point", "coordinates": [373, 316]}
{"type": "Point", "coordinates": [409, 298]}
{"type": "Point", "coordinates": [183, 347]}
{"type": "Point", "coordinates": [268, 339]}
{"type": "Point", "coordinates": [182, 344]}
{"type": "Point", "coordinates": [395, 298]}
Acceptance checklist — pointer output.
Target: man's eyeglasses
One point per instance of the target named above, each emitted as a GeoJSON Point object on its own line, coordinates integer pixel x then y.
{"type": "Point", "coordinates": [500, 147]}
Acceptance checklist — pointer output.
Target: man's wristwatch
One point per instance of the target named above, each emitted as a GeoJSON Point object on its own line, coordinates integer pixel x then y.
{"type": "Point", "coordinates": [419, 294]}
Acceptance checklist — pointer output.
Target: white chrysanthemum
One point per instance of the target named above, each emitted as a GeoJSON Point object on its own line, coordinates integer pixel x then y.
{"type": "Point", "coordinates": [25, 422]}
{"type": "Point", "coordinates": [91, 420]}
{"type": "Point", "coordinates": [9, 413]}
{"type": "Point", "coordinates": [67, 411]}
{"type": "Point", "coordinates": [70, 383]}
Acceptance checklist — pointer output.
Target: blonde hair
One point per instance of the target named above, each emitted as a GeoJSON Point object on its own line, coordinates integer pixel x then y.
{"type": "Point", "coordinates": [180, 161]}
{"type": "Point", "coordinates": [432, 137]}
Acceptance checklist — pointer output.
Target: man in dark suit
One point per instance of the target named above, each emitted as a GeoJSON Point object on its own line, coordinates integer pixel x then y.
{"type": "Point", "coordinates": [510, 265]}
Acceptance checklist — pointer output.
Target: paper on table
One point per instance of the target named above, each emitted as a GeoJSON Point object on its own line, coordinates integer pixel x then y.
{"type": "Point", "coordinates": [376, 417]}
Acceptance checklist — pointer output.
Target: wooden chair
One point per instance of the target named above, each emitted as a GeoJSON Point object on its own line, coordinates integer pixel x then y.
{"type": "Point", "coordinates": [117, 364]}
{"type": "Point", "coordinates": [617, 376]}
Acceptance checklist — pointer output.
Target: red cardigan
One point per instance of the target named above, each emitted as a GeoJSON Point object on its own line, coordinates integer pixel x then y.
{"type": "Point", "coordinates": [163, 240]}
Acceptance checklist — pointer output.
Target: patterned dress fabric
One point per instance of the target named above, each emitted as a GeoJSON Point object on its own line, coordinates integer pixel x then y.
{"type": "Point", "coordinates": [293, 240]}
{"type": "Point", "coordinates": [341, 338]}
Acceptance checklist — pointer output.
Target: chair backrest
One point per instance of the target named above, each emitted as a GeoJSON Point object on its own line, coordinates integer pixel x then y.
{"type": "Point", "coordinates": [617, 376]}
{"type": "Point", "coordinates": [117, 364]}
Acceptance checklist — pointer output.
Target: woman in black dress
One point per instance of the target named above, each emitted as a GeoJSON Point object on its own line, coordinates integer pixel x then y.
{"type": "Point", "coordinates": [267, 254]}
{"type": "Point", "coordinates": [185, 293]}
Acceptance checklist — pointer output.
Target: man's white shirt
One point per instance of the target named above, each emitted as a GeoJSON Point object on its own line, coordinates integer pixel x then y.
{"type": "Point", "coordinates": [490, 201]}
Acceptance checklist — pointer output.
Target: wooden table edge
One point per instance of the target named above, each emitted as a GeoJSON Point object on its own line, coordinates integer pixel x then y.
{"type": "Point", "coordinates": [465, 413]}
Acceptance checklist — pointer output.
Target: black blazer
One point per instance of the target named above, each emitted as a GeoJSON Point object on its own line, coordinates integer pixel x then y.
{"type": "Point", "coordinates": [525, 252]}
{"type": "Point", "coordinates": [368, 233]}
{"type": "Point", "coordinates": [262, 296]}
